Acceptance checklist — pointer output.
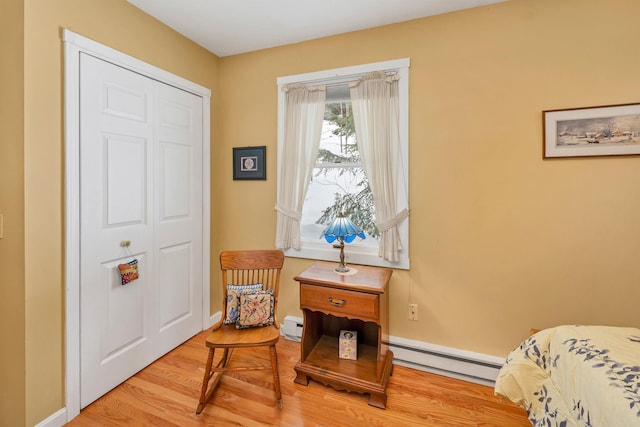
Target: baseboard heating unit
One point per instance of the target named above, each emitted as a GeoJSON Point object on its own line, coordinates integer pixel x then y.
{"type": "Point", "coordinates": [461, 364]}
{"type": "Point", "coordinates": [291, 329]}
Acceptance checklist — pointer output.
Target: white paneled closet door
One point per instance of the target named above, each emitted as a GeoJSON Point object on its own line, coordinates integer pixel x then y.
{"type": "Point", "coordinates": [141, 184]}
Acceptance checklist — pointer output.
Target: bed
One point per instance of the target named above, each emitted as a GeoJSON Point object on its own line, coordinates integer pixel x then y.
{"type": "Point", "coordinates": [576, 376]}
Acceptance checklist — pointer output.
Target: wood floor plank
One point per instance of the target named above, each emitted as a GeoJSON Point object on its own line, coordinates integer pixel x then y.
{"type": "Point", "coordinates": [166, 394]}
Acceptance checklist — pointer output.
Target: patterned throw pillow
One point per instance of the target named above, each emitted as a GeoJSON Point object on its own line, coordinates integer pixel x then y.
{"type": "Point", "coordinates": [255, 309]}
{"type": "Point", "coordinates": [232, 300]}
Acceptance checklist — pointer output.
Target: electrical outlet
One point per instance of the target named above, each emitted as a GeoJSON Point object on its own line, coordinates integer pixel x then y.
{"type": "Point", "coordinates": [413, 311]}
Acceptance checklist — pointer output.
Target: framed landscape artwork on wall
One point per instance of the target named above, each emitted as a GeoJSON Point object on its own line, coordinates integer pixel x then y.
{"type": "Point", "coordinates": [592, 131]}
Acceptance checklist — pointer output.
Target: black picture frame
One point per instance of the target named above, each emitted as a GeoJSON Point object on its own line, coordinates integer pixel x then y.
{"type": "Point", "coordinates": [249, 163]}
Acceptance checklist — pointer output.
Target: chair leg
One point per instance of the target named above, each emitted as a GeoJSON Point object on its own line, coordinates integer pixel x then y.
{"type": "Point", "coordinates": [210, 372]}
{"type": "Point", "coordinates": [276, 375]}
{"type": "Point", "coordinates": [205, 381]}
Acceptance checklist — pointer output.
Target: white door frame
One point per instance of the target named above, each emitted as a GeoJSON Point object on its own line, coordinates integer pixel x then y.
{"type": "Point", "coordinates": [74, 44]}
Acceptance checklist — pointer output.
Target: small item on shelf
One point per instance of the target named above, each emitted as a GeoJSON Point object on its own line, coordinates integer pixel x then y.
{"type": "Point", "coordinates": [348, 347]}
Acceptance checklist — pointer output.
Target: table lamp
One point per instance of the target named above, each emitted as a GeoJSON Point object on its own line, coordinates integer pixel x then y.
{"type": "Point", "coordinates": [343, 230]}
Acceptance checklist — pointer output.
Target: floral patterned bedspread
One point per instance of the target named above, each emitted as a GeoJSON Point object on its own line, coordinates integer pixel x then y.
{"type": "Point", "coordinates": [576, 376]}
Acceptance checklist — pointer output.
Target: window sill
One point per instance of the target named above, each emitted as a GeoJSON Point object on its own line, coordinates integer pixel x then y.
{"type": "Point", "coordinates": [353, 254]}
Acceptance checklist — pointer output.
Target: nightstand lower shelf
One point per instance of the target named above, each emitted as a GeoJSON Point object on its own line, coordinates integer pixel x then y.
{"type": "Point", "coordinates": [324, 357]}
{"type": "Point", "coordinates": [358, 375]}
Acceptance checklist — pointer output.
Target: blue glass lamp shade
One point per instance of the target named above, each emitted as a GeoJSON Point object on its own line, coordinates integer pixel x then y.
{"type": "Point", "coordinates": [343, 230]}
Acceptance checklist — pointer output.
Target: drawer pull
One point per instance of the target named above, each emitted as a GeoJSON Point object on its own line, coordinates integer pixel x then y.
{"type": "Point", "coordinates": [337, 302]}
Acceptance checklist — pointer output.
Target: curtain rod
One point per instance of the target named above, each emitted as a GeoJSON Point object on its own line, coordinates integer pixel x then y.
{"type": "Point", "coordinates": [338, 80]}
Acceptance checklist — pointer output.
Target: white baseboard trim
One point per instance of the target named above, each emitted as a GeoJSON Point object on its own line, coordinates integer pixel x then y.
{"type": "Point", "coordinates": [451, 362]}
{"type": "Point", "coordinates": [215, 318]}
{"type": "Point", "coordinates": [58, 419]}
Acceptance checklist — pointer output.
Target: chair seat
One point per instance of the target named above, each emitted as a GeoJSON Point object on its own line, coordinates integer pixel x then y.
{"type": "Point", "coordinates": [229, 336]}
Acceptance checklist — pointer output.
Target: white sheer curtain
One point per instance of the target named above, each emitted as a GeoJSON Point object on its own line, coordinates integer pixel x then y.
{"type": "Point", "coordinates": [304, 111]}
{"type": "Point", "coordinates": [374, 98]}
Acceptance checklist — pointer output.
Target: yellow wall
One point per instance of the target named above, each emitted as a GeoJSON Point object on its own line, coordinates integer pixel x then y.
{"type": "Point", "coordinates": [12, 349]}
{"type": "Point", "coordinates": [119, 25]}
{"type": "Point", "coordinates": [501, 240]}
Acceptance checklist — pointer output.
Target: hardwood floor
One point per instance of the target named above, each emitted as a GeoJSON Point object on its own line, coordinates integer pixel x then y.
{"type": "Point", "coordinates": [166, 394]}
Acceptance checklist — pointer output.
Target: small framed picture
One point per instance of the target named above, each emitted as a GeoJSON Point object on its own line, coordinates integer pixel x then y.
{"type": "Point", "coordinates": [612, 130]}
{"type": "Point", "coordinates": [249, 163]}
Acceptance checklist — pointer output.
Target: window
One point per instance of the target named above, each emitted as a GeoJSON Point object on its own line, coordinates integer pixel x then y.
{"type": "Point", "coordinates": [338, 181]}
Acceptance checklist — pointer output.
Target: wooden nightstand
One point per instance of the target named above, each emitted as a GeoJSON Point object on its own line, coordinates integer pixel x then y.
{"type": "Point", "coordinates": [331, 302]}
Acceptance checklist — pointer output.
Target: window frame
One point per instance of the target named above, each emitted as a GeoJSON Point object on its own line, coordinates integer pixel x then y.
{"type": "Point", "coordinates": [358, 253]}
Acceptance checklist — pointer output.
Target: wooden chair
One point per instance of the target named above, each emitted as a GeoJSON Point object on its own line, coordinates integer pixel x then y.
{"type": "Point", "coordinates": [243, 268]}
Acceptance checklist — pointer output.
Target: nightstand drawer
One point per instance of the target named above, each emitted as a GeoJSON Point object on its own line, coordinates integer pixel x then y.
{"type": "Point", "coordinates": [339, 301]}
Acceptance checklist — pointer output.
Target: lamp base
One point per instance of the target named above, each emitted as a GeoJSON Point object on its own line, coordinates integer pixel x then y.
{"type": "Point", "coordinates": [351, 272]}
{"type": "Point", "coordinates": [341, 268]}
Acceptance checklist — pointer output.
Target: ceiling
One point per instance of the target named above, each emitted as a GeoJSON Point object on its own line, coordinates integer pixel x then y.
{"type": "Point", "coordinates": [229, 27]}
